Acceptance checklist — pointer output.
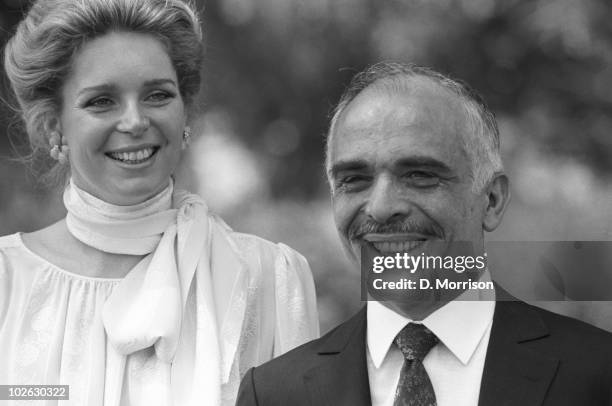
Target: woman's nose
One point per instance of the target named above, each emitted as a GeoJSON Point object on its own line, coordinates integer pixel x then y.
{"type": "Point", "coordinates": [133, 120]}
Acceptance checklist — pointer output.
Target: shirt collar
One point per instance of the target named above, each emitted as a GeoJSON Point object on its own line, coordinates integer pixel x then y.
{"type": "Point", "coordinates": [459, 325]}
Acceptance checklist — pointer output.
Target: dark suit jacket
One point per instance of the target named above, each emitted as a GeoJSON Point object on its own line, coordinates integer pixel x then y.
{"type": "Point", "coordinates": [534, 357]}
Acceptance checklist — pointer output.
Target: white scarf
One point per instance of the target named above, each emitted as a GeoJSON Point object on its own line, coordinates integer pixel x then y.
{"type": "Point", "coordinates": [187, 250]}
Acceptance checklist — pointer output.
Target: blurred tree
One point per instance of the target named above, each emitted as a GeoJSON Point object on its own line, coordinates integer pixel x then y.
{"type": "Point", "coordinates": [275, 69]}
{"type": "Point", "coordinates": [278, 66]}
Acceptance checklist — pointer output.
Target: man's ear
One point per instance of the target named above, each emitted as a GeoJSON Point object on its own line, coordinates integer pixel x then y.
{"type": "Point", "coordinates": [498, 196]}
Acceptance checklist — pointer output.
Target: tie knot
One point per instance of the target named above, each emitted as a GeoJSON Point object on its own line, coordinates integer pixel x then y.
{"type": "Point", "coordinates": [415, 341]}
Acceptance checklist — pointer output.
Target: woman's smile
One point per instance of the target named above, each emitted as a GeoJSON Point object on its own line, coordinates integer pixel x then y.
{"type": "Point", "coordinates": [134, 156]}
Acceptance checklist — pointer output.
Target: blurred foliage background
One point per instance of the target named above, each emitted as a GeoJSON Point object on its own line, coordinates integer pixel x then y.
{"type": "Point", "coordinates": [275, 68]}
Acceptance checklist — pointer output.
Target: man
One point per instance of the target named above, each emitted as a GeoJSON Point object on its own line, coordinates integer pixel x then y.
{"type": "Point", "coordinates": [414, 166]}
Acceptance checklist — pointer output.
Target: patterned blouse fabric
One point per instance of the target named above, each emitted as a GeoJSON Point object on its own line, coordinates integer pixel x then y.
{"type": "Point", "coordinates": [51, 329]}
{"type": "Point", "coordinates": [414, 387]}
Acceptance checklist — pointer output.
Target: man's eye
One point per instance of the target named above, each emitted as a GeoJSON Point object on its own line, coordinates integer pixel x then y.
{"type": "Point", "coordinates": [353, 179]}
{"type": "Point", "coordinates": [422, 179]}
{"type": "Point", "coordinates": [351, 182]}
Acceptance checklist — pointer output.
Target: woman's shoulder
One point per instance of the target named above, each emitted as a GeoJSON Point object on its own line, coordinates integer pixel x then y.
{"type": "Point", "coordinates": [10, 242]}
{"type": "Point", "coordinates": [274, 264]}
{"type": "Point", "coordinates": [254, 247]}
{"type": "Point", "coordinates": [251, 241]}
{"type": "Point", "coordinates": [14, 254]}
{"type": "Point", "coordinates": [281, 275]}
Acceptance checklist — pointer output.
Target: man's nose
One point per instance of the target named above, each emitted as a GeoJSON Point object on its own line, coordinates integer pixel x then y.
{"type": "Point", "coordinates": [133, 120]}
{"type": "Point", "coordinates": [386, 201]}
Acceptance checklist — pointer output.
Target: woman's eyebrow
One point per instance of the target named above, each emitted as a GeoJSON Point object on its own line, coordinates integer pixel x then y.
{"type": "Point", "coordinates": [96, 88]}
{"type": "Point", "coordinates": [162, 81]}
{"type": "Point", "coordinates": [109, 87]}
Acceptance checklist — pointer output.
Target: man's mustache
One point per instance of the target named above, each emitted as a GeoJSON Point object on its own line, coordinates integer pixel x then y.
{"type": "Point", "coordinates": [356, 231]}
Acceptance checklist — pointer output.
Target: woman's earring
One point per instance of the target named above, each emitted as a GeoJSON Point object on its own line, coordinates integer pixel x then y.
{"type": "Point", "coordinates": [186, 137]}
{"type": "Point", "coordinates": [59, 150]}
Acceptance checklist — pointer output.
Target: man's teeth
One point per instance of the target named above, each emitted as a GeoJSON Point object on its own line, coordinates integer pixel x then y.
{"type": "Point", "coordinates": [133, 156]}
{"type": "Point", "coordinates": [396, 246]}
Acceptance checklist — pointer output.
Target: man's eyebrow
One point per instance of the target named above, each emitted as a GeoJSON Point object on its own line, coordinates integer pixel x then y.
{"type": "Point", "coordinates": [416, 161]}
{"type": "Point", "coordinates": [350, 165]}
{"type": "Point", "coordinates": [423, 161]}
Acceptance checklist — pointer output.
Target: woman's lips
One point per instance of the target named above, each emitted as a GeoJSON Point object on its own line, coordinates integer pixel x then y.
{"type": "Point", "coordinates": [135, 156]}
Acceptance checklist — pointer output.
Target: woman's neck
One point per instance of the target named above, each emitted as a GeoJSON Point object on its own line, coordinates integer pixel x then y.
{"type": "Point", "coordinates": [57, 245]}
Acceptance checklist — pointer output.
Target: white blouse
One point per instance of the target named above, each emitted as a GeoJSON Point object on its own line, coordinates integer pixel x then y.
{"type": "Point", "coordinates": [51, 329]}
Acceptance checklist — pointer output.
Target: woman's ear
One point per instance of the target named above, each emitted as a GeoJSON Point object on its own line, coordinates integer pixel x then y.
{"type": "Point", "coordinates": [52, 124]}
{"type": "Point", "coordinates": [498, 196]}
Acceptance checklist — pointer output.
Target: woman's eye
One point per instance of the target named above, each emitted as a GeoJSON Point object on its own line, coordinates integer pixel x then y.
{"type": "Point", "coordinates": [100, 102]}
{"type": "Point", "coordinates": [159, 96]}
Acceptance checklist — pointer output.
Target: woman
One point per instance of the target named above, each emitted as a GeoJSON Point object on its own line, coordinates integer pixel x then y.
{"type": "Point", "coordinates": [139, 296]}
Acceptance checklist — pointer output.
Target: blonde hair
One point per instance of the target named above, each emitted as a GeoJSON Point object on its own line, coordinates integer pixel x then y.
{"type": "Point", "coordinates": [38, 58]}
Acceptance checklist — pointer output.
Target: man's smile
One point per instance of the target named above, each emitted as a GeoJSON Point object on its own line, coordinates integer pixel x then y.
{"type": "Point", "coordinates": [395, 242]}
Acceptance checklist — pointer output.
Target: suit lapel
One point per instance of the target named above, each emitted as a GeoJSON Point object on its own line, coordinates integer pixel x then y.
{"type": "Point", "coordinates": [513, 374]}
{"type": "Point", "coordinates": [342, 376]}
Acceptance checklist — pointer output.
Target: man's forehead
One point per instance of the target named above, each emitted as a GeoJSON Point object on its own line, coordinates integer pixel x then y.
{"type": "Point", "coordinates": [409, 102]}
{"type": "Point", "coordinates": [417, 121]}
{"type": "Point", "coordinates": [395, 149]}
{"type": "Point", "coordinates": [421, 107]}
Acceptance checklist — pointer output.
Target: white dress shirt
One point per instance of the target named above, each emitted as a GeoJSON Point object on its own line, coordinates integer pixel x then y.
{"type": "Point", "coordinates": [454, 365]}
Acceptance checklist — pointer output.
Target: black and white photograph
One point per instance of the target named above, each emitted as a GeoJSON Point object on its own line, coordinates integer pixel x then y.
{"type": "Point", "coordinates": [306, 202]}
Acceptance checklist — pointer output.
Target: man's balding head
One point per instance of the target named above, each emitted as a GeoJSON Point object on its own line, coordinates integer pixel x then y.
{"type": "Point", "coordinates": [480, 134]}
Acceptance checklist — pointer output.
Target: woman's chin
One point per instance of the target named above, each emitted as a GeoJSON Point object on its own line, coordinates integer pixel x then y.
{"type": "Point", "coordinates": [132, 192]}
